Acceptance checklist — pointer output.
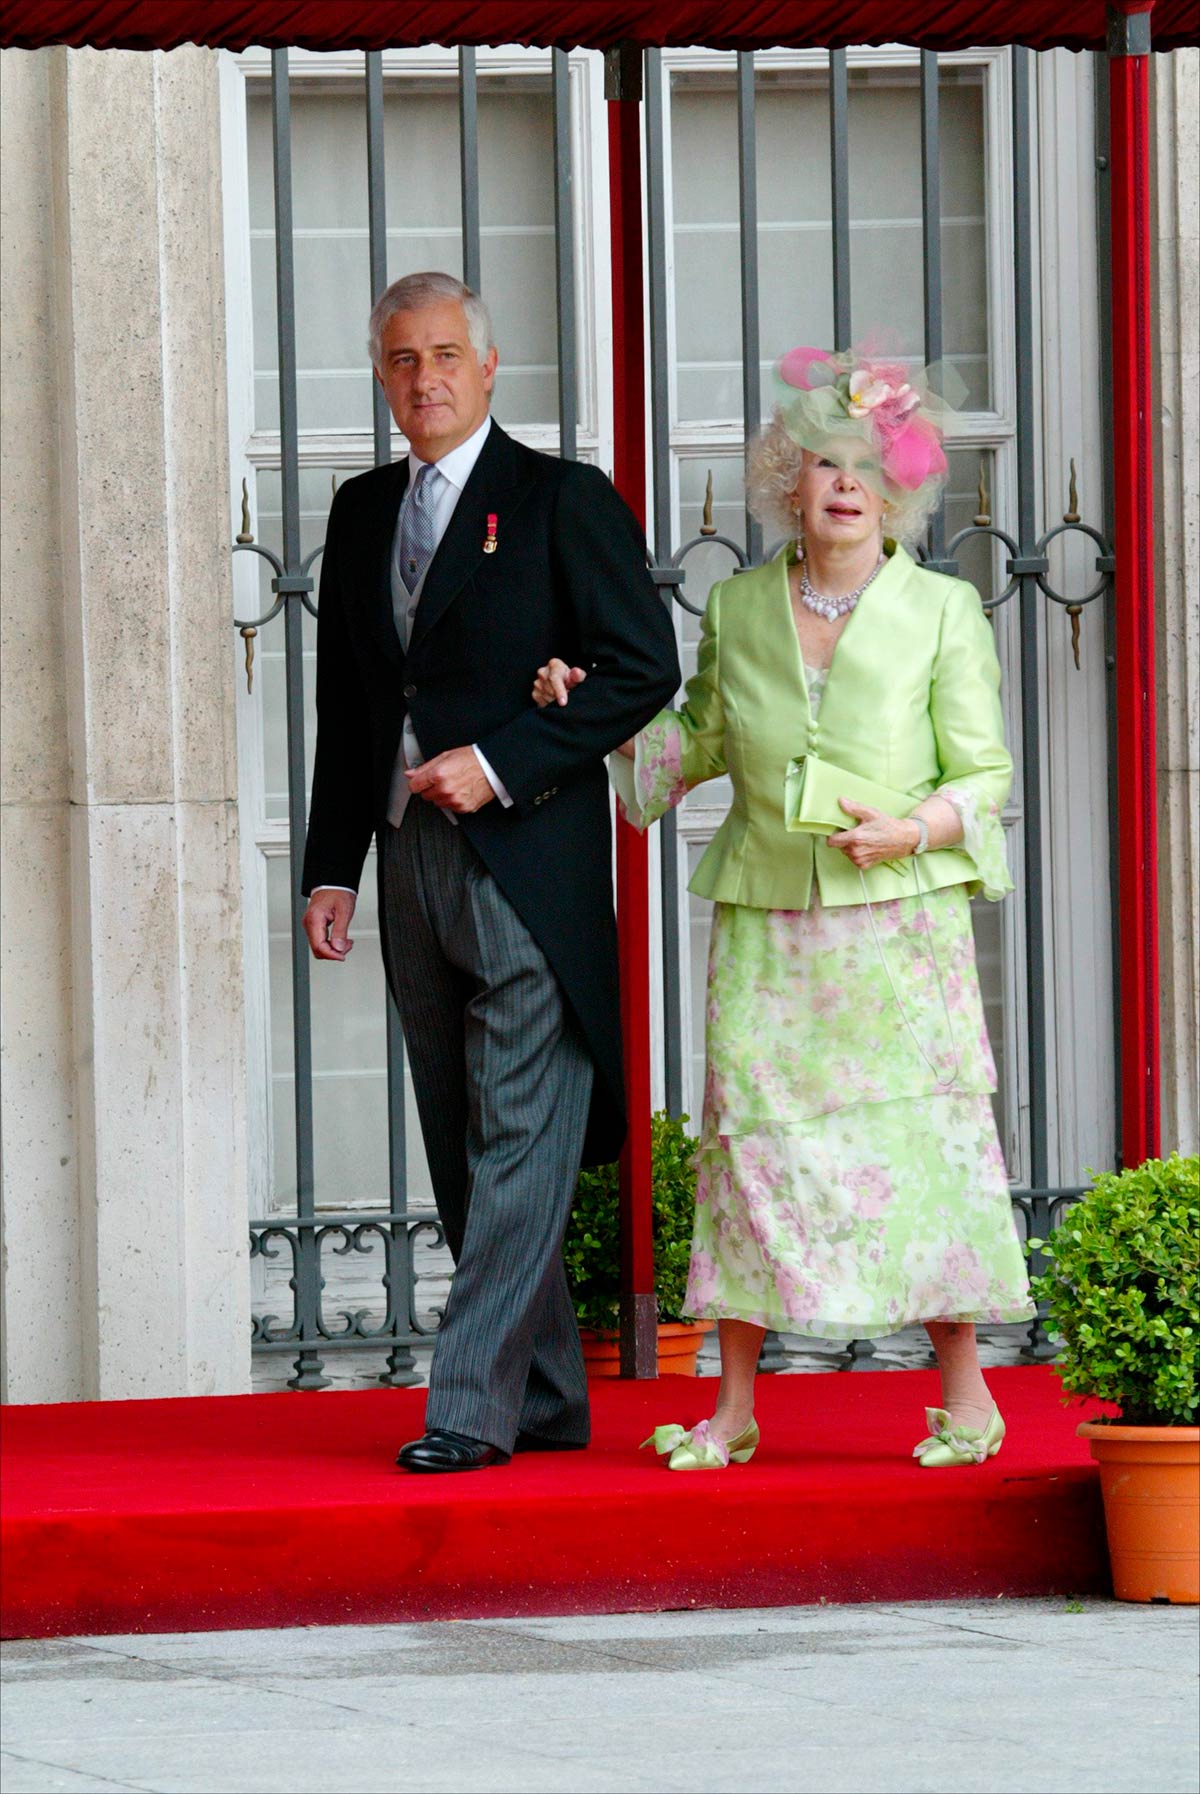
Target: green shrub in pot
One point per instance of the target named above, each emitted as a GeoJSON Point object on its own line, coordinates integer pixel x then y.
{"type": "Point", "coordinates": [1123, 1291]}
{"type": "Point", "coordinates": [592, 1248]}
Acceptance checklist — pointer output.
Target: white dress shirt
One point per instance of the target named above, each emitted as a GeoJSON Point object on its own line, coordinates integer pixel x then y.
{"type": "Point", "coordinates": [455, 470]}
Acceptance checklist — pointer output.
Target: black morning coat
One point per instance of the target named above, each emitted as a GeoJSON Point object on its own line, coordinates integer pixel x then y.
{"type": "Point", "coordinates": [568, 576]}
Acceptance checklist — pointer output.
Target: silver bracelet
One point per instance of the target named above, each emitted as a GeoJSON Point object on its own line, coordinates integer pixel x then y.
{"type": "Point", "coordinates": [922, 835]}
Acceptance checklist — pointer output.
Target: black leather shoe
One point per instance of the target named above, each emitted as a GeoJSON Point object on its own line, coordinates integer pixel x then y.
{"type": "Point", "coordinates": [441, 1451]}
{"type": "Point", "coordinates": [535, 1442]}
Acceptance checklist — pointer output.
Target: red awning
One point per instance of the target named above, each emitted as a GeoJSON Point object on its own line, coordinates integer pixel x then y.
{"type": "Point", "coordinates": [720, 24]}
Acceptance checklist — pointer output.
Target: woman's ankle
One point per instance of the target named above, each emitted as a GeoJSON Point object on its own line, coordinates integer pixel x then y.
{"type": "Point", "coordinates": [730, 1419]}
{"type": "Point", "coordinates": [968, 1404]}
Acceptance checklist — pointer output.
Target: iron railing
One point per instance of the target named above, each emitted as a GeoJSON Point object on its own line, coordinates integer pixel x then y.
{"type": "Point", "coordinates": [308, 1333]}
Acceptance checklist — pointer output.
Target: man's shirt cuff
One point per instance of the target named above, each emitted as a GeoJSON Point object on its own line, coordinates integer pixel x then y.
{"type": "Point", "coordinates": [495, 783]}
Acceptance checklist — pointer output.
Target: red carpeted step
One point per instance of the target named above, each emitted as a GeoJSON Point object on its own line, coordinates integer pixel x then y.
{"type": "Point", "coordinates": [271, 1510]}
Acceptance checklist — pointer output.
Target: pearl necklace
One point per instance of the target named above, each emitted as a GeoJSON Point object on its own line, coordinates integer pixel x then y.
{"type": "Point", "coordinates": [833, 608]}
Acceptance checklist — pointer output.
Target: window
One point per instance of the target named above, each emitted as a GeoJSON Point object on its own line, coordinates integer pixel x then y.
{"type": "Point", "coordinates": [794, 230]}
{"type": "Point", "coordinates": [423, 227]}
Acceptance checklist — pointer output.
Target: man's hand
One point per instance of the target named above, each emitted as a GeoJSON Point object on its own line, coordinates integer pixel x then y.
{"type": "Point", "coordinates": [327, 923]}
{"type": "Point", "coordinates": [453, 780]}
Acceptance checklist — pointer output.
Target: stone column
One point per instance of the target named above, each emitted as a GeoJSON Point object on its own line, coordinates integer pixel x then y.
{"type": "Point", "coordinates": [136, 329]}
{"type": "Point", "coordinates": [42, 1347]}
{"type": "Point", "coordinates": [1176, 101]}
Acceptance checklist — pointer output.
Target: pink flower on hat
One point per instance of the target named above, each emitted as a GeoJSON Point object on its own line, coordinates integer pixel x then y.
{"type": "Point", "coordinates": [869, 391]}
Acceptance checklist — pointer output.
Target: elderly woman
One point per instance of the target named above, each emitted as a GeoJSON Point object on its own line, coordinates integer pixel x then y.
{"type": "Point", "coordinates": [850, 1179]}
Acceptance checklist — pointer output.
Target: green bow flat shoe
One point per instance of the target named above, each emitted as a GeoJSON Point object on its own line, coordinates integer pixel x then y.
{"type": "Point", "coordinates": [695, 1448]}
{"type": "Point", "coordinates": [950, 1445]}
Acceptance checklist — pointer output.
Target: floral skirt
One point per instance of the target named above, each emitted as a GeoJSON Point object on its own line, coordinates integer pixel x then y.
{"type": "Point", "coordinates": [850, 1178]}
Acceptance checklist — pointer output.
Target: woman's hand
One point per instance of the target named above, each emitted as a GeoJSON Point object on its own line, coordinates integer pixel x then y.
{"type": "Point", "coordinates": [875, 837]}
{"type": "Point", "coordinates": [554, 681]}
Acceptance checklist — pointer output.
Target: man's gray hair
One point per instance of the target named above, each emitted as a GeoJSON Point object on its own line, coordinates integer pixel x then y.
{"type": "Point", "coordinates": [414, 293]}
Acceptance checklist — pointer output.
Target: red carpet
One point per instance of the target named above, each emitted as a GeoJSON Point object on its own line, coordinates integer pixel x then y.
{"type": "Point", "coordinates": [286, 1509]}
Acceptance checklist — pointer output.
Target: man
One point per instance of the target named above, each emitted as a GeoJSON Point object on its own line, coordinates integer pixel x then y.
{"type": "Point", "coordinates": [448, 578]}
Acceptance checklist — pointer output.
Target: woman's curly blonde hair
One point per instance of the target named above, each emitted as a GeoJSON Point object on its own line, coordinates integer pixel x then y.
{"type": "Point", "coordinates": [773, 465]}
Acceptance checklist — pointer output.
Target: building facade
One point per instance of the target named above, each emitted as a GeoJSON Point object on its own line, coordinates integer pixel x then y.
{"type": "Point", "coordinates": [150, 1090]}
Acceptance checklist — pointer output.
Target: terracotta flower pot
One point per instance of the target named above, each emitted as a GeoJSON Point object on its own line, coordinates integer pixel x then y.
{"type": "Point", "coordinates": [1150, 1480]}
{"type": "Point", "coordinates": [678, 1346]}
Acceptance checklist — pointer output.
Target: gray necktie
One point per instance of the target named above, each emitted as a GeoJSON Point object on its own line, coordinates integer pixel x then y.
{"type": "Point", "coordinates": [417, 529]}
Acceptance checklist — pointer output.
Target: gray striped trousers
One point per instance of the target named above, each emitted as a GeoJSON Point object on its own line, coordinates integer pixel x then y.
{"type": "Point", "coordinates": [503, 1084]}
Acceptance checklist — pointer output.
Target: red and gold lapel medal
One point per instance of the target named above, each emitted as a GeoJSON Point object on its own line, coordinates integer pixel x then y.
{"type": "Point", "coordinates": [489, 546]}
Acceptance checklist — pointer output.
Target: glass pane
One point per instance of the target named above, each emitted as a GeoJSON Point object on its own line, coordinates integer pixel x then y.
{"type": "Point", "coordinates": [350, 1137]}
{"type": "Point", "coordinates": [283, 1125]}
{"type": "Point", "coordinates": [885, 220]}
{"type": "Point", "coordinates": [988, 919]}
{"type": "Point", "coordinates": [329, 179]}
{"type": "Point", "coordinates": [349, 1043]}
{"type": "Point", "coordinates": [979, 557]}
{"type": "Point", "coordinates": [711, 562]}
{"type": "Point", "coordinates": [329, 200]}
{"type": "Point", "coordinates": [982, 560]}
{"type": "Point", "coordinates": [699, 926]}
{"type": "Point", "coordinates": [270, 660]}
{"type": "Point", "coordinates": [795, 231]}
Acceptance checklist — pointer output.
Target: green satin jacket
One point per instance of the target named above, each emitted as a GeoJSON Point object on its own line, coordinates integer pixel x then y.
{"type": "Point", "coordinates": [911, 701]}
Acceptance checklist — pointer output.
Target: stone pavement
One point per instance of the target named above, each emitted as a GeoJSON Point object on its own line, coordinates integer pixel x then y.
{"type": "Point", "coordinates": [970, 1698]}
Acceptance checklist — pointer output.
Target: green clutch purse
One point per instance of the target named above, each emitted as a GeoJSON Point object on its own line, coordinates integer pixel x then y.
{"type": "Point", "coordinates": [812, 788]}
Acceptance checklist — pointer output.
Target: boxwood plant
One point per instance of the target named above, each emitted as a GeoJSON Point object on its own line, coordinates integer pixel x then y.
{"type": "Point", "coordinates": [592, 1248]}
{"type": "Point", "coordinates": [1122, 1291]}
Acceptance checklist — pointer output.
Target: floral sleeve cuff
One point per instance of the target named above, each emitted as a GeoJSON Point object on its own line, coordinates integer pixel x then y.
{"type": "Point", "coordinates": [983, 839]}
{"type": "Point", "coordinates": [652, 782]}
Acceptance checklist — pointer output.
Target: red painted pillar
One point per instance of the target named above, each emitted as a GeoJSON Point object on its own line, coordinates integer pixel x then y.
{"type": "Point", "coordinates": [1133, 468]}
{"type": "Point", "coordinates": [623, 88]}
